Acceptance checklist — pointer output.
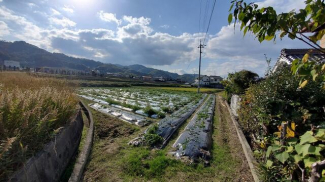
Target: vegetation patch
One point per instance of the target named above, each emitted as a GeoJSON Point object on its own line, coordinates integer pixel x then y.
{"type": "Point", "coordinates": [32, 111]}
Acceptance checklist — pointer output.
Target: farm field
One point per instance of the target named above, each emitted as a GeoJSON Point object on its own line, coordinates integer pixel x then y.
{"type": "Point", "coordinates": [187, 89]}
{"type": "Point", "coordinates": [113, 159]}
{"type": "Point", "coordinates": [139, 106]}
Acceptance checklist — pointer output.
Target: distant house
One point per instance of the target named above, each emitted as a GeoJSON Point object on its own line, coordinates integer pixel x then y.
{"type": "Point", "coordinates": [11, 65]}
{"type": "Point", "coordinates": [287, 56]}
{"type": "Point", "coordinates": [209, 81]}
{"type": "Point", "coordinates": [146, 78]}
{"type": "Point", "coordinates": [159, 79]}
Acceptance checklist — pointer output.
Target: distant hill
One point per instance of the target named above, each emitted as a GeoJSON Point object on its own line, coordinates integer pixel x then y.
{"type": "Point", "coordinates": [31, 56]}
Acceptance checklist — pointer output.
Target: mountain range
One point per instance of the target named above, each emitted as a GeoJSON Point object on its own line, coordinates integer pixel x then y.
{"type": "Point", "coordinates": [32, 56]}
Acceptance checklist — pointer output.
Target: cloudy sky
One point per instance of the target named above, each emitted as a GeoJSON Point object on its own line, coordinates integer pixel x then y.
{"type": "Point", "coordinates": [162, 34]}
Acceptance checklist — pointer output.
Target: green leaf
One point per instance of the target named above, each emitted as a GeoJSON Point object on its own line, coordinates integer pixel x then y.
{"type": "Point", "coordinates": [317, 151]}
{"type": "Point", "coordinates": [297, 158]}
{"type": "Point", "coordinates": [308, 149]}
{"type": "Point", "coordinates": [289, 149]}
{"type": "Point", "coordinates": [268, 38]}
{"type": "Point", "coordinates": [314, 74]}
{"type": "Point", "coordinates": [245, 30]}
{"type": "Point", "coordinates": [323, 67]}
{"type": "Point", "coordinates": [275, 148]}
{"type": "Point", "coordinates": [269, 163]}
{"type": "Point", "coordinates": [292, 36]}
{"type": "Point", "coordinates": [307, 137]}
{"type": "Point", "coordinates": [309, 161]}
{"type": "Point", "coordinates": [242, 25]}
{"type": "Point", "coordinates": [229, 18]}
{"type": "Point", "coordinates": [283, 34]}
{"type": "Point", "coordinates": [298, 148]}
{"type": "Point", "coordinates": [292, 141]}
{"type": "Point", "coordinates": [320, 134]}
{"type": "Point", "coordinates": [232, 5]}
{"type": "Point", "coordinates": [241, 16]}
{"type": "Point", "coordinates": [282, 157]}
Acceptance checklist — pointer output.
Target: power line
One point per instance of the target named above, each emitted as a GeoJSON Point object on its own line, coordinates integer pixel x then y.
{"type": "Point", "coordinates": [200, 16]}
{"type": "Point", "coordinates": [205, 13]}
{"type": "Point", "coordinates": [214, 4]}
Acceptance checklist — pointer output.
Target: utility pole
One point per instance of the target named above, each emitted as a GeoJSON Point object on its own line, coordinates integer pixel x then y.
{"type": "Point", "coordinates": [199, 79]}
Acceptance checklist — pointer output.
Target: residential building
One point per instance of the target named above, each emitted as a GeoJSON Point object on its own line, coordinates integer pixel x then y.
{"type": "Point", "coordinates": [287, 56]}
{"type": "Point", "coordinates": [208, 80]}
{"type": "Point", "coordinates": [160, 79]}
{"type": "Point", "coordinates": [11, 65]}
{"type": "Point", "coordinates": [146, 78]}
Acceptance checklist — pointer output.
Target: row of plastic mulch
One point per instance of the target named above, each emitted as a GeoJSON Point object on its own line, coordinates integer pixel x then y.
{"type": "Point", "coordinates": [195, 141]}
{"type": "Point", "coordinates": [168, 125]}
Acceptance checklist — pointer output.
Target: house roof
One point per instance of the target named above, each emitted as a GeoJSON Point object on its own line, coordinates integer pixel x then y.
{"type": "Point", "coordinates": [289, 55]}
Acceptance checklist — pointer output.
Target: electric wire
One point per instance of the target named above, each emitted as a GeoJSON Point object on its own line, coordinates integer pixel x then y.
{"type": "Point", "coordinates": [206, 33]}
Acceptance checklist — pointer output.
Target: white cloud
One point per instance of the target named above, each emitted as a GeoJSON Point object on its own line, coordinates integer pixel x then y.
{"type": "Point", "coordinates": [136, 27]}
{"type": "Point", "coordinates": [109, 17]}
{"type": "Point", "coordinates": [4, 29]}
{"type": "Point", "coordinates": [164, 26]}
{"type": "Point", "coordinates": [283, 5]}
{"type": "Point", "coordinates": [55, 12]}
{"type": "Point", "coordinates": [68, 9]}
{"type": "Point", "coordinates": [222, 69]}
{"type": "Point", "coordinates": [229, 45]}
{"type": "Point", "coordinates": [27, 31]}
{"type": "Point", "coordinates": [64, 22]}
{"type": "Point", "coordinates": [31, 5]}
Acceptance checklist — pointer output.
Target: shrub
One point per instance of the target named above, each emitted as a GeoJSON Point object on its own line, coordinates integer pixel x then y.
{"type": "Point", "coordinates": [238, 82]}
{"type": "Point", "coordinates": [264, 108]}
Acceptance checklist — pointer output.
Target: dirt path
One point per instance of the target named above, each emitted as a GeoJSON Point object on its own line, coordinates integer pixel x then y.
{"type": "Point", "coordinates": [228, 137]}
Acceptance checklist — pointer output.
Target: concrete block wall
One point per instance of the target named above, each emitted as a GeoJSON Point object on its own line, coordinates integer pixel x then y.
{"type": "Point", "coordinates": [49, 164]}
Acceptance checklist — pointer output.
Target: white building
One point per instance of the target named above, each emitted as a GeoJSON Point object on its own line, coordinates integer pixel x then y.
{"type": "Point", "coordinates": [8, 64]}
{"type": "Point", "coordinates": [208, 80]}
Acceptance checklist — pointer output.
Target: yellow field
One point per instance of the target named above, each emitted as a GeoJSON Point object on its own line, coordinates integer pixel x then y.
{"type": "Point", "coordinates": [190, 89]}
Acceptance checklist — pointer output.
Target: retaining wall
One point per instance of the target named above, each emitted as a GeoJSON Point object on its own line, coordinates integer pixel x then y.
{"type": "Point", "coordinates": [82, 159]}
{"type": "Point", "coordinates": [49, 164]}
{"type": "Point", "coordinates": [234, 105]}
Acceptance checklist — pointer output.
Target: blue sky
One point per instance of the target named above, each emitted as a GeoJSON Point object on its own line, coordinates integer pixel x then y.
{"type": "Point", "coordinates": [162, 34]}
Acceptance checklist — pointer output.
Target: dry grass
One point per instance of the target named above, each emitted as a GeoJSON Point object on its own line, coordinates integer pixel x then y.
{"type": "Point", "coordinates": [31, 111]}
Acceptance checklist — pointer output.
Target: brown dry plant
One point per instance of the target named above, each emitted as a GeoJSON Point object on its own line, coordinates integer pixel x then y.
{"type": "Point", "coordinates": [31, 109]}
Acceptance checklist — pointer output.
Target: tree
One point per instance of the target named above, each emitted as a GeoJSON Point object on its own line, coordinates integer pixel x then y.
{"type": "Point", "coordinates": [238, 82]}
{"type": "Point", "coordinates": [265, 23]}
